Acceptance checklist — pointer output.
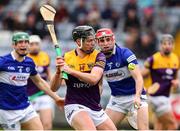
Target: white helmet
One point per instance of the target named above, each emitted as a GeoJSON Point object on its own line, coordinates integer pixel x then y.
{"type": "Point", "coordinates": [34, 38]}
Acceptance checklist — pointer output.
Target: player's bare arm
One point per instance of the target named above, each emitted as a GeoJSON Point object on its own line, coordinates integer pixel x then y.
{"type": "Point", "coordinates": [92, 78]}
{"type": "Point", "coordinates": [56, 80]}
{"type": "Point", "coordinates": [49, 73]}
{"type": "Point", "coordinates": [136, 74]}
{"type": "Point", "coordinates": [145, 72]}
{"type": "Point", "coordinates": [43, 85]}
{"type": "Point", "coordinates": [175, 82]}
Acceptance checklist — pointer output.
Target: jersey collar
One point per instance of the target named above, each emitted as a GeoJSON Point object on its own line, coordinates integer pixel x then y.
{"type": "Point", "coordinates": [14, 58]}
{"type": "Point", "coordinates": [114, 50]}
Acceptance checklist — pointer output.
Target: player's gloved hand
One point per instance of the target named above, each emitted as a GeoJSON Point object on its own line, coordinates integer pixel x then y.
{"type": "Point", "coordinates": [60, 104]}
{"type": "Point", "coordinates": [137, 102]}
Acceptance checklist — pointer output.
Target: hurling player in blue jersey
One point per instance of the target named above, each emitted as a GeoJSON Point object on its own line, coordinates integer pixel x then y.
{"type": "Point", "coordinates": [15, 69]}
{"type": "Point", "coordinates": [125, 80]}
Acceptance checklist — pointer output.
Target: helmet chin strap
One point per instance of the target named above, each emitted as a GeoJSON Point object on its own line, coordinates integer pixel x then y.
{"type": "Point", "coordinates": [80, 47]}
{"type": "Point", "coordinates": [108, 53]}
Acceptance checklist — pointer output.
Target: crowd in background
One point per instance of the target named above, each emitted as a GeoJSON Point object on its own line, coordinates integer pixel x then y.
{"type": "Point", "coordinates": [137, 23]}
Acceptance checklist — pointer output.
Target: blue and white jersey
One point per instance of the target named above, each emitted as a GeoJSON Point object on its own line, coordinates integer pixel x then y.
{"type": "Point", "coordinates": [116, 71]}
{"type": "Point", "coordinates": [13, 82]}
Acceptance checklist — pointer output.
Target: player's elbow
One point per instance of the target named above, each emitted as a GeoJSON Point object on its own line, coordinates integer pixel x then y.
{"type": "Point", "coordinates": [94, 81]}
{"type": "Point", "coordinates": [53, 89]}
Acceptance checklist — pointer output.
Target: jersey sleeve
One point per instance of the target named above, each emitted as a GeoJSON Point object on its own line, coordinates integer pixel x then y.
{"type": "Point", "coordinates": [148, 62]}
{"type": "Point", "coordinates": [33, 69]}
{"type": "Point", "coordinates": [129, 57]}
{"type": "Point", "coordinates": [1, 63]}
{"type": "Point", "coordinates": [100, 60]}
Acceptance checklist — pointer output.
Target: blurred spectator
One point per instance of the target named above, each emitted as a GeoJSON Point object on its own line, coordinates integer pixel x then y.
{"type": "Point", "coordinates": [130, 42]}
{"type": "Point", "coordinates": [170, 3]}
{"type": "Point", "coordinates": [148, 19]}
{"type": "Point", "coordinates": [132, 38]}
{"type": "Point", "coordinates": [162, 22]}
{"type": "Point", "coordinates": [62, 13]}
{"type": "Point", "coordinates": [93, 18]}
{"type": "Point", "coordinates": [11, 21]}
{"type": "Point", "coordinates": [79, 14]}
{"type": "Point", "coordinates": [142, 4]}
{"type": "Point", "coordinates": [30, 24]}
{"type": "Point", "coordinates": [131, 4]}
{"type": "Point", "coordinates": [107, 12]}
{"type": "Point", "coordinates": [131, 20]}
{"type": "Point", "coordinates": [34, 23]}
{"type": "Point", "coordinates": [146, 46]}
{"type": "Point", "coordinates": [33, 9]}
{"type": "Point", "coordinates": [1, 12]}
{"type": "Point", "coordinates": [110, 14]}
{"type": "Point", "coordinates": [4, 2]}
{"type": "Point", "coordinates": [115, 19]}
{"type": "Point", "coordinates": [8, 21]}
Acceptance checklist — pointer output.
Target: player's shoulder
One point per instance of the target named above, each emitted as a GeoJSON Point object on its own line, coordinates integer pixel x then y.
{"type": "Point", "coordinates": [123, 50]}
{"type": "Point", "coordinates": [98, 55]}
{"type": "Point", "coordinates": [28, 60]}
{"type": "Point", "coordinates": [157, 54]}
{"type": "Point", "coordinates": [5, 58]}
{"type": "Point", "coordinates": [70, 53]}
{"type": "Point", "coordinates": [96, 52]}
{"type": "Point", "coordinates": [43, 54]}
{"type": "Point", "coordinates": [127, 54]}
{"type": "Point", "coordinates": [174, 56]}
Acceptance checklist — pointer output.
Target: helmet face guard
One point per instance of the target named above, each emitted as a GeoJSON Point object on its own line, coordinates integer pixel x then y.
{"type": "Point", "coordinates": [19, 36]}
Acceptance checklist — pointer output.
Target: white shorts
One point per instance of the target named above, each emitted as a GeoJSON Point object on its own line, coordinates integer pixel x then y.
{"type": "Point", "coordinates": [98, 117]}
{"type": "Point", "coordinates": [11, 119]}
{"type": "Point", "coordinates": [43, 102]}
{"type": "Point", "coordinates": [160, 104]}
{"type": "Point", "coordinates": [125, 104]}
